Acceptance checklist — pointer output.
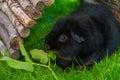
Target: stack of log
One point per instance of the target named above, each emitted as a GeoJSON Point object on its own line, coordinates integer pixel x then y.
{"type": "Point", "coordinates": [16, 19]}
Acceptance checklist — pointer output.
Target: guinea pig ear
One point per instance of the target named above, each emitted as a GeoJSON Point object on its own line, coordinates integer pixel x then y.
{"type": "Point", "coordinates": [77, 38]}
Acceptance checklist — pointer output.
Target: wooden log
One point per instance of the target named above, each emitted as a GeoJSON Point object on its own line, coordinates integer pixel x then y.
{"type": "Point", "coordinates": [6, 38]}
{"type": "Point", "coordinates": [20, 14]}
{"type": "Point", "coordinates": [48, 2]}
{"type": "Point", "coordinates": [29, 9]}
{"type": "Point", "coordinates": [15, 54]}
{"type": "Point", "coordinates": [13, 36]}
{"type": "Point", "coordinates": [40, 4]}
{"type": "Point", "coordinates": [24, 32]}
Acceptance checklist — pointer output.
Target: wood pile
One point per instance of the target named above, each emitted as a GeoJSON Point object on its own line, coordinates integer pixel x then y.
{"type": "Point", "coordinates": [16, 19]}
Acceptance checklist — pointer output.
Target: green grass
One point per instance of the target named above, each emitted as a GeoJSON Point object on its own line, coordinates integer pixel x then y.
{"type": "Point", "coordinates": [107, 69]}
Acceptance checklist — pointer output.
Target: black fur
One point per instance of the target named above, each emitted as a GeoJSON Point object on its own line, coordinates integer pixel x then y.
{"type": "Point", "coordinates": [95, 25]}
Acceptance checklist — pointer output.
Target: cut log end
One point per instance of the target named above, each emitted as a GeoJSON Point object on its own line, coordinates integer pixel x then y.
{"type": "Point", "coordinates": [49, 2]}
{"type": "Point", "coordinates": [30, 23]}
{"type": "Point", "coordinates": [20, 14]}
{"type": "Point", "coordinates": [24, 32]}
{"type": "Point", "coordinates": [33, 13]}
{"type": "Point", "coordinates": [15, 54]}
{"type": "Point", "coordinates": [43, 3]}
{"type": "Point", "coordinates": [40, 5]}
{"type": "Point", "coordinates": [14, 43]}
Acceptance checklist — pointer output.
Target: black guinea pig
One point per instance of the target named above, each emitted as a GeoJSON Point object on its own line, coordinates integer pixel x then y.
{"type": "Point", "coordinates": [85, 36]}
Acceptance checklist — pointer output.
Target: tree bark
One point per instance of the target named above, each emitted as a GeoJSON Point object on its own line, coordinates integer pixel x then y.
{"type": "Point", "coordinates": [20, 14]}
{"type": "Point", "coordinates": [40, 4]}
{"type": "Point", "coordinates": [24, 32]}
{"type": "Point", "coordinates": [13, 36]}
{"type": "Point", "coordinates": [29, 9]}
{"type": "Point", "coordinates": [6, 38]}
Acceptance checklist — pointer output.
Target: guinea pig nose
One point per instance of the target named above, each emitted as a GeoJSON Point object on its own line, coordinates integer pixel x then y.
{"type": "Point", "coordinates": [47, 47]}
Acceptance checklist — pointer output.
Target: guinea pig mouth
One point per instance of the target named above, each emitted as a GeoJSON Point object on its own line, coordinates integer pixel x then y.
{"type": "Point", "coordinates": [66, 58]}
{"type": "Point", "coordinates": [54, 51]}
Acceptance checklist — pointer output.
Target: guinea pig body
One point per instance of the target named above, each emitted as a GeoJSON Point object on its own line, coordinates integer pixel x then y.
{"type": "Point", "coordinates": [87, 35]}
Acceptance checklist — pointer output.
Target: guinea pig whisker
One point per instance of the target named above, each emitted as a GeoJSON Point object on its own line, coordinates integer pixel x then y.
{"type": "Point", "coordinates": [82, 63]}
{"type": "Point", "coordinates": [76, 61]}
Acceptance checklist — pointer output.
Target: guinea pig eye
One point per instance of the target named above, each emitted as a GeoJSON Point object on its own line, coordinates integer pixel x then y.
{"type": "Point", "coordinates": [62, 38]}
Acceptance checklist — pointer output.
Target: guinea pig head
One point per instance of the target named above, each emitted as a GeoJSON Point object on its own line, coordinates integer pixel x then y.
{"type": "Point", "coordinates": [74, 39]}
{"type": "Point", "coordinates": [64, 40]}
